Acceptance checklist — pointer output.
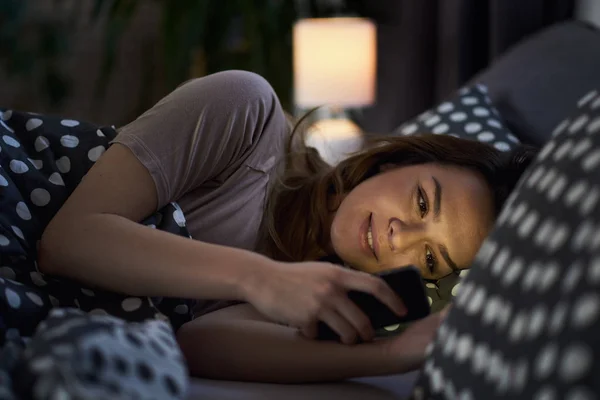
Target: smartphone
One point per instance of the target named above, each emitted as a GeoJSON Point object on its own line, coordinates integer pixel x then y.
{"type": "Point", "coordinates": [407, 283]}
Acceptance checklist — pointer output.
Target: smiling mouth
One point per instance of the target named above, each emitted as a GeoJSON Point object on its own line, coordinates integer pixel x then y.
{"type": "Point", "coordinates": [370, 239]}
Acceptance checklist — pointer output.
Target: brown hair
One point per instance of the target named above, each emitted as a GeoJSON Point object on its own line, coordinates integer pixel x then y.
{"type": "Point", "coordinates": [300, 202]}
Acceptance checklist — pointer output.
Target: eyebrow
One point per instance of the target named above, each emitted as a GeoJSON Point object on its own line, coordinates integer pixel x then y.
{"type": "Point", "coordinates": [437, 205]}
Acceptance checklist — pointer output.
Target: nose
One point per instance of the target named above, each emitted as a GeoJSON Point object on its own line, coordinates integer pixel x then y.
{"type": "Point", "coordinates": [403, 235]}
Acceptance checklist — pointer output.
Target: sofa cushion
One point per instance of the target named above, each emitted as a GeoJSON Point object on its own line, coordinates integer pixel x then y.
{"type": "Point", "coordinates": [536, 84]}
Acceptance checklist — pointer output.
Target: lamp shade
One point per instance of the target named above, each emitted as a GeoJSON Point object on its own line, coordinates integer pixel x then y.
{"type": "Point", "coordinates": [334, 62]}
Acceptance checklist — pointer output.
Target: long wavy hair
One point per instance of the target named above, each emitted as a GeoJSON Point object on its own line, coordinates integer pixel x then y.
{"type": "Point", "coordinates": [300, 203]}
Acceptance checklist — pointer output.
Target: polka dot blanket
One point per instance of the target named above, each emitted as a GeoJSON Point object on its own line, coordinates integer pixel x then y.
{"type": "Point", "coordinates": [526, 320]}
{"type": "Point", "coordinates": [59, 339]}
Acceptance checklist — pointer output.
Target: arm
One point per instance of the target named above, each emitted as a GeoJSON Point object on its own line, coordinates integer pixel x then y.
{"type": "Point", "coordinates": [94, 239]}
{"type": "Point", "coordinates": [238, 343]}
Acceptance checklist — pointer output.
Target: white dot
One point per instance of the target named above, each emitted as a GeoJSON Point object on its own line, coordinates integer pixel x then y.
{"type": "Point", "coordinates": [476, 302]}
{"type": "Point", "coordinates": [486, 252]}
{"type": "Point", "coordinates": [562, 150]}
{"type": "Point", "coordinates": [535, 176]}
{"type": "Point", "coordinates": [37, 278]}
{"type": "Point", "coordinates": [546, 150]}
{"type": "Point", "coordinates": [23, 211]}
{"type": "Point", "coordinates": [18, 232]}
{"type": "Point", "coordinates": [582, 235]}
{"type": "Point", "coordinates": [18, 167]}
{"type": "Point", "coordinates": [441, 128]}
{"type": "Point", "coordinates": [579, 123]}
{"type": "Point", "coordinates": [69, 141]}
{"type": "Point", "coordinates": [100, 133]}
{"type": "Point", "coordinates": [131, 304]}
{"type": "Point", "coordinates": [95, 153]}
{"type": "Point", "coordinates": [537, 321]}
{"type": "Point", "coordinates": [33, 123]}
{"type": "Point", "coordinates": [594, 270]}
{"type": "Point", "coordinates": [520, 375]}
{"type": "Point", "coordinates": [545, 232]}
{"type": "Point", "coordinates": [7, 273]}
{"type": "Point", "coordinates": [87, 292]}
{"type": "Point", "coordinates": [512, 138]}
{"type": "Point", "coordinates": [494, 123]}
{"type": "Point", "coordinates": [9, 140]}
{"type": "Point", "coordinates": [40, 197]}
{"type": "Point", "coordinates": [464, 347]}
{"type": "Point", "coordinates": [458, 116]}
{"type": "Point", "coordinates": [179, 218]}
{"type": "Point", "coordinates": [500, 261]}
{"type": "Point", "coordinates": [181, 309]}
{"type": "Point", "coordinates": [557, 188]}
{"type": "Point", "coordinates": [495, 368]}
{"type": "Point", "coordinates": [481, 112]}
{"type": "Point", "coordinates": [486, 136]}
{"type": "Point", "coordinates": [4, 240]}
{"type": "Point", "coordinates": [450, 344]}
{"type": "Point", "coordinates": [445, 107]}
{"type": "Point", "coordinates": [491, 309]}
{"type": "Point", "coordinates": [502, 146]}
{"type": "Point", "coordinates": [594, 126]}
{"type": "Point", "coordinates": [575, 363]}
{"type": "Point", "coordinates": [12, 298]}
{"type": "Point", "coordinates": [56, 179]}
{"type": "Point", "coordinates": [549, 277]}
{"type": "Point", "coordinates": [545, 393]}
{"type": "Point", "coordinates": [41, 143]}
{"type": "Point", "coordinates": [561, 127]}
{"type": "Point", "coordinates": [558, 237]}
{"type": "Point", "coordinates": [433, 120]}
{"type": "Point", "coordinates": [437, 381]}
{"type": "Point", "coordinates": [514, 269]}
{"type": "Point", "coordinates": [37, 164]}
{"type": "Point", "coordinates": [589, 201]}
{"type": "Point", "coordinates": [531, 276]}
{"type": "Point", "coordinates": [465, 394]}
{"type": "Point", "coordinates": [409, 129]}
{"type": "Point", "coordinates": [3, 181]}
{"type": "Point", "coordinates": [504, 316]}
{"type": "Point", "coordinates": [469, 101]}
{"type": "Point", "coordinates": [595, 104]}
{"type": "Point", "coordinates": [480, 359]}
{"type": "Point", "coordinates": [545, 182]}
{"type": "Point", "coordinates": [581, 147]}
{"type": "Point", "coordinates": [572, 277]}
{"type": "Point", "coordinates": [587, 98]}
{"type": "Point", "coordinates": [5, 116]}
{"type": "Point", "coordinates": [580, 393]}
{"type": "Point", "coordinates": [528, 223]}
{"type": "Point", "coordinates": [585, 310]}
{"type": "Point", "coordinates": [591, 161]}
{"type": "Point", "coordinates": [518, 213]}
{"type": "Point", "coordinates": [35, 298]}
{"type": "Point", "coordinates": [69, 123]}
{"type": "Point", "coordinates": [557, 320]}
{"type": "Point", "coordinates": [63, 164]}
{"type": "Point", "coordinates": [546, 361]}
{"type": "Point", "coordinates": [517, 328]}
{"type": "Point", "coordinates": [472, 127]}
{"type": "Point", "coordinates": [54, 301]}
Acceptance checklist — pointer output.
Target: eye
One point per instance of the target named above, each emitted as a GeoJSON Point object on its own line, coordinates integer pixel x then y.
{"type": "Point", "coordinates": [430, 260]}
{"type": "Point", "coordinates": [422, 202]}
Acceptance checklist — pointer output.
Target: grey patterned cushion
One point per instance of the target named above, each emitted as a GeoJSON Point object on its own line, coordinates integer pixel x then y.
{"type": "Point", "coordinates": [526, 320]}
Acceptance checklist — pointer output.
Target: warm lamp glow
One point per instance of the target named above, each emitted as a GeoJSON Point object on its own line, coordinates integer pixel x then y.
{"type": "Point", "coordinates": [334, 62]}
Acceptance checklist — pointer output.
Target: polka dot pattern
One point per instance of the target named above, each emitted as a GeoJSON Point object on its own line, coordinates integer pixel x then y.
{"type": "Point", "coordinates": [529, 310]}
{"type": "Point", "coordinates": [469, 114]}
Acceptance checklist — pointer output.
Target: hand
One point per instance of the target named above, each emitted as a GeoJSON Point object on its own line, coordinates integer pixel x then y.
{"type": "Point", "coordinates": [408, 349]}
{"type": "Point", "coordinates": [301, 294]}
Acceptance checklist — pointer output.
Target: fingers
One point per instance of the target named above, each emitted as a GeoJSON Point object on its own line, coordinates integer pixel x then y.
{"type": "Point", "coordinates": [356, 318]}
{"type": "Point", "coordinates": [340, 325]}
{"type": "Point", "coordinates": [376, 287]}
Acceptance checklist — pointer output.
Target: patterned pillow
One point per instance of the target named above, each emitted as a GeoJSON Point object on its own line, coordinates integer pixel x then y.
{"type": "Point", "coordinates": [470, 114]}
{"type": "Point", "coordinates": [526, 321]}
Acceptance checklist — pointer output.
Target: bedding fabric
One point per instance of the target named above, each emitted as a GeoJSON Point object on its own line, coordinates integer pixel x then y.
{"type": "Point", "coordinates": [42, 160]}
{"type": "Point", "coordinates": [526, 321]}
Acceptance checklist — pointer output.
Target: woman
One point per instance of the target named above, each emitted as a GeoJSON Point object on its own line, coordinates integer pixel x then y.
{"type": "Point", "coordinates": [215, 145]}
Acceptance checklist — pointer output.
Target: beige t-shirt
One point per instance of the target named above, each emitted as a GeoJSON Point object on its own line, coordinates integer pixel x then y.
{"type": "Point", "coordinates": [213, 145]}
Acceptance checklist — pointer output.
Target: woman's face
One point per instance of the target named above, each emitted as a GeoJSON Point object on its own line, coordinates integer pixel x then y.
{"type": "Point", "coordinates": [432, 216]}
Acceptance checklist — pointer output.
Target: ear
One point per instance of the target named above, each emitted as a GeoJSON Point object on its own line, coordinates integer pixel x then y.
{"type": "Point", "coordinates": [386, 167]}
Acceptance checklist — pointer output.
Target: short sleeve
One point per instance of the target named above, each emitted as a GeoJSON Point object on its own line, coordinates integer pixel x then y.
{"type": "Point", "coordinates": [203, 131]}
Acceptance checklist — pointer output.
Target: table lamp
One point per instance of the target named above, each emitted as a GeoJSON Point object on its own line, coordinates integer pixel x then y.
{"type": "Point", "coordinates": [335, 67]}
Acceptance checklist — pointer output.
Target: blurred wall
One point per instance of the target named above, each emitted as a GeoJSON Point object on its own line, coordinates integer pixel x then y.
{"type": "Point", "coordinates": [82, 65]}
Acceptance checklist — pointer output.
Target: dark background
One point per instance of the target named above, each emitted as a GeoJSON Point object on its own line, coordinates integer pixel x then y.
{"type": "Point", "coordinates": [108, 60]}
